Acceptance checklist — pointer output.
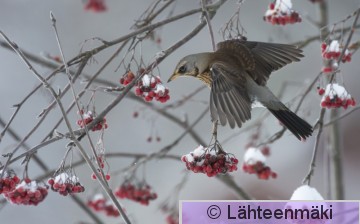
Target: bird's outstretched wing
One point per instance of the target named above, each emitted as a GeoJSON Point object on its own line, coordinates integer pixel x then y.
{"type": "Point", "coordinates": [267, 57]}
{"type": "Point", "coordinates": [228, 99]}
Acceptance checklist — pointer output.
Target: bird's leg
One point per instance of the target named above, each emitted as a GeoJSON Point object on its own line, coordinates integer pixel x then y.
{"type": "Point", "coordinates": [214, 130]}
{"type": "Point", "coordinates": [214, 134]}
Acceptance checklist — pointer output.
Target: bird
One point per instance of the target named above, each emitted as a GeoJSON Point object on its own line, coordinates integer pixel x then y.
{"type": "Point", "coordinates": [237, 73]}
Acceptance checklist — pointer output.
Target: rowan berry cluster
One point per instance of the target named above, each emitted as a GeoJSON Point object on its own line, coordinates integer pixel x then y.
{"type": "Point", "coordinates": [336, 96]}
{"type": "Point", "coordinates": [88, 117]}
{"type": "Point", "coordinates": [331, 53]}
{"type": "Point", "coordinates": [8, 182]}
{"type": "Point", "coordinates": [66, 183]}
{"type": "Point", "coordinates": [135, 191]}
{"type": "Point", "coordinates": [128, 77]}
{"type": "Point", "coordinates": [101, 160]}
{"type": "Point", "coordinates": [27, 192]}
{"type": "Point", "coordinates": [254, 163]}
{"type": "Point", "coordinates": [151, 87]}
{"type": "Point", "coordinates": [99, 204]}
{"type": "Point", "coordinates": [95, 5]}
{"type": "Point", "coordinates": [280, 12]}
{"type": "Point", "coordinates": [210, 161]}
{"type": "Point", "coordinates": [172, 213]}
{"type": "Point", "coordinates": [172, 219]}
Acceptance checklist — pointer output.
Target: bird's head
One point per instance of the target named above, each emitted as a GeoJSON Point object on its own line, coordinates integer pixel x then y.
{"type": "Point", "coordinates": [191, 65]}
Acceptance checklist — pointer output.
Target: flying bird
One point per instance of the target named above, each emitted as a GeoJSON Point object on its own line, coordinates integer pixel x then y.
{"type": "Point", "coordinates": [237, 73]}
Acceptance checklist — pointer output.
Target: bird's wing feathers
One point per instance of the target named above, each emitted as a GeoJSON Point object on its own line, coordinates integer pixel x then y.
{"type": "Point", "coordinates": [267, 57]}
{"type": "Point", "coordinates": [228, 99]}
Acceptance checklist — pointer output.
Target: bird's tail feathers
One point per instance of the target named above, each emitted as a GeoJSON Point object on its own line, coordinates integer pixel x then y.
{"type": "Point", "coordinates": [300, 128]}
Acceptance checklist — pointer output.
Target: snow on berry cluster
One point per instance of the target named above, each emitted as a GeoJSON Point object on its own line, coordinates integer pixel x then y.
{"type": "Point", "coordinates": [331, 54]}
{"type": "Point", "coordinates": [99, 204]}
{"type": "Point", "coordinates": [88, 117]}
{"type": "Point", "coordinates": [306, 193]}
{"type": "Point", "coordinates": [150, 87]}
{"type": "Point", "coordinates": [128, 77]}
{"type": "Point", "coordinates": [336, 96]}
{"type": "Point", "coordinates": [280, 12]}
{"type": "Point", "coordinates": [254, 163]}
{"type": "Point", "coordinates": [137, 191]}
{"type": "Point", "coordinates": [66, 183]}
{"type": "Point", "coordinates": [95, 5]}
{"type": "Point", "coordinates": [298, 201]}
{"type": "Point", "coordinates": [8, 182]}
{"type": "Point", "coordinates": [27, 192]}
{"type": "Point", "coordinates": [210, 161]}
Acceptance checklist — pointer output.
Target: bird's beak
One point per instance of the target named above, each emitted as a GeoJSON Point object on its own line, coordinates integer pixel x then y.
{"type": "Point", "coordinates": [173, 76]}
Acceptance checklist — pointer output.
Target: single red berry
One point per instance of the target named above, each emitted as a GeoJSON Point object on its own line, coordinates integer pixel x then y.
{"type": "Point", "coordinates": [149, 139]}
{"type": "Point", "coordinates": [321, 91]}
{"type": "Point", "coordinates": [135, 114]}
{"type": "Point", "coordinates": [272, 6]}
{"type": "Point", "coordinates": [27, 180]}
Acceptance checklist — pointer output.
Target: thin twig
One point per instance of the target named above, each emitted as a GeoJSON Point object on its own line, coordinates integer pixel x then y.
{"type": "Point", "coordinates": [319, 123]}
{"type": "Point", "coordinates": [208, 22]}
{"type": "Point", "coordinates": [342, 116]}
{"type": "Point", "coordinates": [167, 148]}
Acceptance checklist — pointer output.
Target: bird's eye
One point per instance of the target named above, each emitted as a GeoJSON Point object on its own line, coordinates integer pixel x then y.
{"type": "Point", "coordinates": [182, 69]}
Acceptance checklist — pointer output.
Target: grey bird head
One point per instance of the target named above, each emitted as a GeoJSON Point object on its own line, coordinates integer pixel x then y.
{"type": "Point", "coordinates": [191, 65]}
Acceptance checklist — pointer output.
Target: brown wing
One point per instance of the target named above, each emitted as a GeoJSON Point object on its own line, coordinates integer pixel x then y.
{"type": "Point", "coordinates": [267, 57]}
{"type": "Point", "coordinates": [228, 99]}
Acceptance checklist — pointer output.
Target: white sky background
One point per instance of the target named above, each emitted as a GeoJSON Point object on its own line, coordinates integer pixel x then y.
{"type": "Point", "coordinates": [28, 24]}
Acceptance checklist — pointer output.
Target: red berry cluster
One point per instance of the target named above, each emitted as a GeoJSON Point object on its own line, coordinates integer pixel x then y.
{"type": "Point", "coordinates": [27, 193]}
{"type": "Point", "coordinates": [88, 117]}
{"type": "Point", "coordinates": [65, 184]}
{"type": "Point", "coordinates": [331, 54]}
{"type": "Point", "coordinates": [265, 150]}
{"type": "Point", "coordinates": [281, 15]}
{"type": "Point", "coordinates": [210, 161]}
{"type": "Point", "coordinates": [337, 102]}
{"type": "Point", "coordinates": [101, 159]}
{"type": "Point", "coordinates": [129, 77]}
{"type": "Point", "coordinates": [335, 96]}
{"type": "Point", "coordinates": [150, 87]}
{"type": "Point", "coordinates": [139, 192]}
{"type": "Point", "coordinates": [107, 176]}
{"type": "Point", "coordinates": [172, 213]}
{"type": "Point", "coordinates": [254, 163]}
{"type": "Point", "coordinates": [260, 169]}
{"type": "Point", "coordinates": [172, 219]}
{"type": "Point", "coordinates": [8, 182]}
{"type": "Point", "coordinates": [333, 51]}
{"type": "Point", "coordinates": [97, 202]}
{"type": "Point", "coordinates": [95, 5]}
{"type": "Point", "coordinates": [100, 204]}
